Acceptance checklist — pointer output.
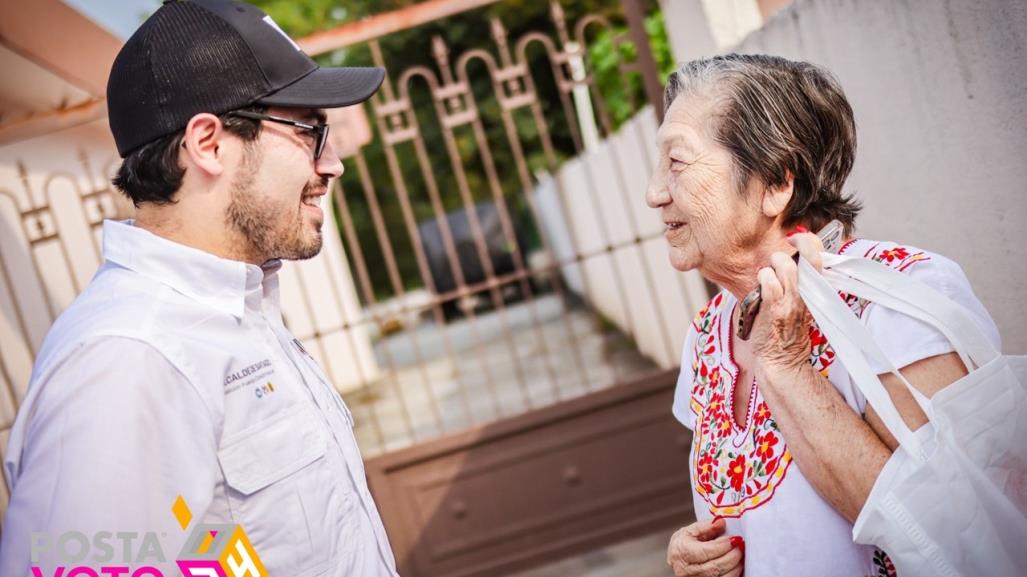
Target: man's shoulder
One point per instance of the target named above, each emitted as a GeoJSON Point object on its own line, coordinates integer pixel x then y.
{"type": "Point", "coordinates": [133, 324]}
{"type": "Point", "coordinates": [113, 304]}
{"type": "Point", "coordinates": [122, 304]}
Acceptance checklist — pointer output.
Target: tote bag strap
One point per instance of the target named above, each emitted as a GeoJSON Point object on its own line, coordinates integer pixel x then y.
{"type": "Point", "coordinates": [949, 317]}
{"type": "Point", "coordinates": [852, 343]}
{"type": "Point", "coordinates": [857, 287]}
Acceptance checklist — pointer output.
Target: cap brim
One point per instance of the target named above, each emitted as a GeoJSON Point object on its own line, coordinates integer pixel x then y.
{"type": "Point", "coordinates": [328, 88]}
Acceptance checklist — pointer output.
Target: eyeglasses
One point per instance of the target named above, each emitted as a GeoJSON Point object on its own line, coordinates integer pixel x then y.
{"type": "Point", "coordinates": [319, 131]}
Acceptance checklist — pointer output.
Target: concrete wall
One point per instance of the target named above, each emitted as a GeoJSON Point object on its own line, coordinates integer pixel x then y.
{"type": "Point", "coordinates": [938, 89]}
{"type": "Point", "coordinates": [704, 27]}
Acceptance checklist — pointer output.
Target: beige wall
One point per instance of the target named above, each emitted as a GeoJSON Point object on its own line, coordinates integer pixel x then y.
{"type": "Point", "coordinates": [938, 90]}
{"type": "Point", "coordinates": [704, 27]}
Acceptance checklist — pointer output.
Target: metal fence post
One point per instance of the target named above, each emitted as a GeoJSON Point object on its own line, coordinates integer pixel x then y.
{"type": "Point", "coordinates": [634, 11]}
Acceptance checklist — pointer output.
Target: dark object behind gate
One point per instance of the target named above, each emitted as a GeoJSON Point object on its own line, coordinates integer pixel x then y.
{"type": "Point", "coordinates": [500, 251]}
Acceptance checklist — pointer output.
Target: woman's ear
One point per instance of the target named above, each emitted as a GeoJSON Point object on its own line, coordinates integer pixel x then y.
{"type": "Point", "coordinates": [776, 197]}
{"type": "Point", "coordinates": [202, 143]}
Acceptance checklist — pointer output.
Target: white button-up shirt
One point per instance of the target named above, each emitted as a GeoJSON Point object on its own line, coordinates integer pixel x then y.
{"type": "Point", "coordinates": [172, 375]}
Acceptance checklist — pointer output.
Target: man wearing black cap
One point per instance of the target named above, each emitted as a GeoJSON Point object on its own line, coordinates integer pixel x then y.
{"type": "Point", "coordinates": [169, 404]}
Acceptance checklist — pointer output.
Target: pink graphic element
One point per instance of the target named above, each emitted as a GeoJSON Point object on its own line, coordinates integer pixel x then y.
{"type": "Point", "coordinates": [37, 572]}
{"type": "Point", "coordinates": [201, 568]}
{"type": "Point", "coordinates": [213, 533]}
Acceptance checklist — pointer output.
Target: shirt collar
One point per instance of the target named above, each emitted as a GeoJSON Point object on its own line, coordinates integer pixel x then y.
{"type": "Point", "coordinates": [218, 282]}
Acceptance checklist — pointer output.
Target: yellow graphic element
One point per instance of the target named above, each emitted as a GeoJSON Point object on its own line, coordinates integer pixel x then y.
{"type": "Point", "coordinates": [182, 513]}
{"type": "Point", "coordinates": [239, 559]}
{"type": "Point", "coordinates": [205, 545]}
{"type": "Point", "coordinates": [270, 387]}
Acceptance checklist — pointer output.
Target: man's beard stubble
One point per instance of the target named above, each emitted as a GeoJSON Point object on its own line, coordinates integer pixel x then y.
{"type": "Point", "coordinates": [265, 231]}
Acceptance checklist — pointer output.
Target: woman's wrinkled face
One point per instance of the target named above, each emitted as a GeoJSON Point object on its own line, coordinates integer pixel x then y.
{"type": "Point", "coordinates": [707, 220]}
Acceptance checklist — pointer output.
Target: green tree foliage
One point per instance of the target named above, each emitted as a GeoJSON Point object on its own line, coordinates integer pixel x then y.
{"type": "Point", "coordinates": [622, 95]}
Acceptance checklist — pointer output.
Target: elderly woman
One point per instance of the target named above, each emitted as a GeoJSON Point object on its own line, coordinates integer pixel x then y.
{"type": "Point", "coordinates": [754, 152]}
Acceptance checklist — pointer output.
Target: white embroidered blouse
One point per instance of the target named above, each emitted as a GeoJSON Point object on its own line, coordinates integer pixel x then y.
{"type": "Point", "coordinates": [744, 471]}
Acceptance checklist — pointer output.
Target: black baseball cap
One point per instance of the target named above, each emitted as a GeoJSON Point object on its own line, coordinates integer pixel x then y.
{"type": "Point", "coordinates": [194, 56]}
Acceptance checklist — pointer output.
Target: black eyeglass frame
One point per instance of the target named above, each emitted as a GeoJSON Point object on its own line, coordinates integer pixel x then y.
{"type": "Point", "coordinates": [319, 130]}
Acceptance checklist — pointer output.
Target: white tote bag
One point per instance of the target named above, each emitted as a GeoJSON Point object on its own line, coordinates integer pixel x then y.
{"type": "Point", "coordinates": [952, 499]}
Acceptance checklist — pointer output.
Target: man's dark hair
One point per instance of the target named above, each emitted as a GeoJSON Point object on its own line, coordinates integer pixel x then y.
{"type": "Point", "coordinates": [152, 173]}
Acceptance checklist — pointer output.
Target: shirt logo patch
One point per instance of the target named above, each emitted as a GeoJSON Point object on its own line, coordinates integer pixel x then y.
{"type": "Point", "coordinates": [264, 390]}
{"type": "Point", "coordinates": [248, 375]}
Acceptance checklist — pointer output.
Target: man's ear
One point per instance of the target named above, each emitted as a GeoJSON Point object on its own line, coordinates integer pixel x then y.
{"type": "Point", "coordinates": [776, 197]}
{"type": "Point", "coordinates": [203, 143]}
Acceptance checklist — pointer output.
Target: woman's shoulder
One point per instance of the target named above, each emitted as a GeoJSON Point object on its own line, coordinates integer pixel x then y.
{"type": "Point", "coordinates": [907, 338]}
{"type": "Point", "coordinates": [901, 257]}
{"type": "Point", "coordinates": [928, 267]}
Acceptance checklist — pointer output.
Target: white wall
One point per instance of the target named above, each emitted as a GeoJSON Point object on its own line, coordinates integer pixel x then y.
{"type": "Point", "coordinates": [705, 27]}
{"type": "Point", "coordinates": [938, 90]}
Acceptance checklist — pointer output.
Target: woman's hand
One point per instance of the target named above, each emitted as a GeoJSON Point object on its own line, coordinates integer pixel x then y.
{"type": "Point", "coordinates": [780, 335]}
{"type": "Point", "coordinates": [703, 550]}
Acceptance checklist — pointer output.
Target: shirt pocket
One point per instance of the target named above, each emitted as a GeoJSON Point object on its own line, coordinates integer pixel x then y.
{"type": "Point", "coordinates": [275, 471]}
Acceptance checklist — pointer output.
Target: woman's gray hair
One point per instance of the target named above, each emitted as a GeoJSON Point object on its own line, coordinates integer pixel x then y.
{"type": "Point", "coordinates": [777, 116]}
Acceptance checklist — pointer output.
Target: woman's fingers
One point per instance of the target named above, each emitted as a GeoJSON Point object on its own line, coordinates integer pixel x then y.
{"type": "Point", "coordinates": [707, 530]}
{"type": "Point", "coordinates": [688, 549]}
{"type": "Point", "coordinates": [702, 548]}
{"type": "Point", "coordinates": [780, 336]}
{"type": "Point", "coordinates": [810, 247]}
{"type": "Point", "coordinates": [787, 272]}
{"type": "Point", "coordinates": [730, 563]}
{"type": "Point", "coordinates": [770, 287]}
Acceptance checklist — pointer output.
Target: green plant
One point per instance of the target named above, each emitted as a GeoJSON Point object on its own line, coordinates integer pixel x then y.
{"type": "Point", "coordinates": [622, 93]}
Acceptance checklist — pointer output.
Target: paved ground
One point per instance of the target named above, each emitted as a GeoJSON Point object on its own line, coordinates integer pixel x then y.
{"type": "Point", "coordinates": [645, 557]}
{"type": "Point", "coordinates": [475, 370]}
{"type": "Point", "coordinates": [498, 364]}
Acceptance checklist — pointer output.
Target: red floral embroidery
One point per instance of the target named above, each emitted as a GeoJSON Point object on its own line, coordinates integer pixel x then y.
{"type": "Point", "coordinates": [900, 258]}
{"type": "Point", "coordinates": [821, 353]}
{"type": "Point", "coordinates": [762, 414]}
{"type": "Point", "coordinates": [765, 445]}
{"type": "Point", "coordinates": [717, 420]}
{"type": "Point", "coordinates": [730, 471]}
{"type": "Point", "coordinates": [704, 471]}
{"type": "Point", "coordinates": [897, 253]}
{"type": "Point", "coordinates": [882, 565]}
{"type": "Point", "coordinates": [738, 471]}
